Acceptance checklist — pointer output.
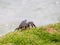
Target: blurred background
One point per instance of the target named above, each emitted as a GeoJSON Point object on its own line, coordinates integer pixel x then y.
{"type": "Point", "coordinates": [41, 12]}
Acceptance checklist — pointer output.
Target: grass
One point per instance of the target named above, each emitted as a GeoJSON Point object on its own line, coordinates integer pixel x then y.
{"type": "Point", "coordinates": [33, 36]}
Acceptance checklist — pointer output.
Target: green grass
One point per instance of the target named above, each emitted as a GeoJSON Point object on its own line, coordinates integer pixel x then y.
{"type": "Point", "coordinates": [33, 36]}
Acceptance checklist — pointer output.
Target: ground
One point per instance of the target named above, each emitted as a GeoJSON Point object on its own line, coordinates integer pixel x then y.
{"type": "Point", "coordinates": [44, 35]}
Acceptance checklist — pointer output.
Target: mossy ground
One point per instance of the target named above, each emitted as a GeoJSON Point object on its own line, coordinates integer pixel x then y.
{"type": "Point", "coordinates": [33, 36]}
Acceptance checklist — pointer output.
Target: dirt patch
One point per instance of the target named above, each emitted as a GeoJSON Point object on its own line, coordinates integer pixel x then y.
{"type": "Point", "coordinates": [51, 30]}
